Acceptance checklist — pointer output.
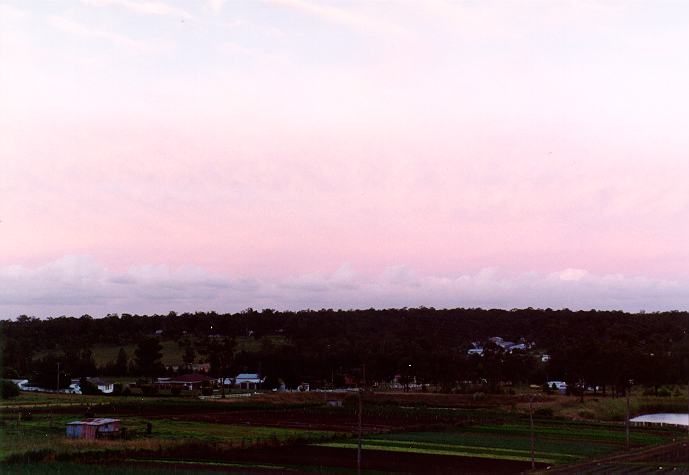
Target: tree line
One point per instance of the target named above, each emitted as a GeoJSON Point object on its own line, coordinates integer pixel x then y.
{"type": "Point", "coordinates": [328, 347]}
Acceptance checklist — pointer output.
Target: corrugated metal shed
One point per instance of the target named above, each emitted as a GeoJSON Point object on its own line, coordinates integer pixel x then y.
{"type": "Point", "coordinates": [90, 428]}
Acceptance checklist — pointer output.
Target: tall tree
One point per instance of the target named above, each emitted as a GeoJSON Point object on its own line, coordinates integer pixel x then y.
{"type": "Point", "coordinates": [121, 365]}
{"type": "Point", "coordinates": [189, 355]}
{"type": "Point", "coordinates": [147, 355]}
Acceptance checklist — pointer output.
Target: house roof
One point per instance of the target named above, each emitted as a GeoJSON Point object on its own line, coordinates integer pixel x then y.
{"type": "Point", "coordinates": [245, 376]}
{"type": "Point", "coordinates": [190, 378]}
{"type": "Point", "coordinates": [96, 421]}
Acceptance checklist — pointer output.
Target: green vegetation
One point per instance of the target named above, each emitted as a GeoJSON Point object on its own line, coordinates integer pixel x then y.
{"type": "Point", "coordinates": [556, 442]}
{"type": "Point", "coordinates": [66, 468]}
{"type": "Point", "coordinates": [43, 433]}
{"type": "Point", "coordinates": [172, 351]}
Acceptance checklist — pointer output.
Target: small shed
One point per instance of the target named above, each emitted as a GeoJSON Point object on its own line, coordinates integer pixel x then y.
{"type": "Point", "coordinates": [93, 428]}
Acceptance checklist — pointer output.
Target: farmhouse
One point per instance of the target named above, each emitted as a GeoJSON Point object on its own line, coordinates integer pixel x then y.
{"type": "Point", "coordinates": [248, 380]}
{"type": "Point", "coordinates": [93, 428]}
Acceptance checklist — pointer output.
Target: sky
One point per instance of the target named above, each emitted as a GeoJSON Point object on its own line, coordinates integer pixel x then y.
{"type": "Point", "coordinates": [160, 155]}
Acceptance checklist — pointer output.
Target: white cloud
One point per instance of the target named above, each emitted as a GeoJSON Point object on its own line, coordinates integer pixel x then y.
{"type": "Point", "coordinates": [76, 28]}
{"type": "Point", "coordinates": [216, 5]}
{"type": "Point", "coordinates": [144, 7]}
{"type": "Point", "coordinates": [11, 13]}
{"type": "Point", "coordinates": [74, 285]}
{"type": "Point", "coordinates": [344, 17]}
{"type": "Point", "coordinates": [572, 274]}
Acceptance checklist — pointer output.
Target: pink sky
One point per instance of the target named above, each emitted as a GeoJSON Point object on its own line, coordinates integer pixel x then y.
{"type": "Point", "coordinates": [160, 156]}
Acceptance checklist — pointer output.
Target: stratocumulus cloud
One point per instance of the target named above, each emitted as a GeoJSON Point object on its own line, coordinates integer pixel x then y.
{"type": "Point", "coordinates": [74, 285]}
{"type": "Point", "coordinates": [298, 153]}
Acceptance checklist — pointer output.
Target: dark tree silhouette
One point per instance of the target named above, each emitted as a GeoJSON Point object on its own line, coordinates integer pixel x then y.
{"type": "Point", "coordinates": [148, 354]}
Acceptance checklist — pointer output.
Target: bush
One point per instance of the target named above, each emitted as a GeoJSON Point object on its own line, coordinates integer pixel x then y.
{"type": "Point", "coordinates": [176, 391]}
{"type": "Point", "coordinates": [10, 373]}
{"type": "Point", "coordinates": [586, 414]}
{"type": "Point", "coordinates": [88, 387]}
{"type": "Point", "coordinates": [149, 390]}
{"type": "Point", "coordinates": [9, 389]}
{"type": "Point", "coordinates": [478, 396]}
{"type": "Point", "coordinates": [543, 412]}
{"type": "Point", "coordinates": [664, 392]}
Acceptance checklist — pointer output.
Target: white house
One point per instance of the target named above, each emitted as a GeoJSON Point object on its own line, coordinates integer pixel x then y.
{"type": "Point", "coordinates": [560, 386]}
{"type": "Point", "coordinates": [103, 386]}
{"type": "Point", "coordinates": [22, 384]}
{"type": "Point", "coordinates": [475, 351]}
{"type": "Point", "coordinates": [248, 380]}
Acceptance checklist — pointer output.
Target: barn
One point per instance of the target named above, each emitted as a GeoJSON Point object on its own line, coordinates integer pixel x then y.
{"type": "Point", "coordinates": [93, 428]}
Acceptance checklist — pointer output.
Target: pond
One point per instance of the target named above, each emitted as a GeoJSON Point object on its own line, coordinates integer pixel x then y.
{"type": "Point", "coordinates": [663, 418]}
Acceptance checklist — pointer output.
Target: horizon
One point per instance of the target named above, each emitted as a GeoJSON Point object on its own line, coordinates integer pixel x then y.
{"type": "Point", "coordinates": [346, 310]}
{"type": "Point", "coordinates": [295, 154]}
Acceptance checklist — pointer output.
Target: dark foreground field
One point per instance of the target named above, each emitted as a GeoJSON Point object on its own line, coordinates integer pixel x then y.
{"type": "Point", "coordinates": [283, 434]}
{"type": "Point", "coordinates": [327, 459]}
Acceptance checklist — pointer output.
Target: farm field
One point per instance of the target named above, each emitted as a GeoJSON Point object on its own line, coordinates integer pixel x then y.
{"type": "Point", "coordinates": [278, 432]}
{"type": "Point", "coordinates": [46, 432]}
{"type": "Point", "coordinates": [556, 443]}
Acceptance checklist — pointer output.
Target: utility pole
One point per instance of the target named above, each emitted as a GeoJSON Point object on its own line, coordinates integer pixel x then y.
{"type": "Point", "coordinates": [58, 377]}
{"type": "Point", "coordinates": [358, 450]}
{"type": "Point", "coordinates": [626, 422]}
{"type": "Point", "coordinates": [533, 440]}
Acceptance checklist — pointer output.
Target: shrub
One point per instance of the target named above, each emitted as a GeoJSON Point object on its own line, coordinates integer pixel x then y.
{"type": "Point", "coordinates": [664, 392]}
{"type": "Point", "coordinates": [10, 373]}
{"type": "Point", "coordinates": [478, 396]}
{"type": "Point", "coordinates": [586, 414]}
{"type": "Point", "coordinates": [149, 390]}
{"type": "Point", "coordinates": [9, 389]}
{"type": "Point", "coordinates": [543, 412]}
{"type": "Point", "coordinates": [88, 387]}
{"type": "Point", "coordinates": [117, 389]}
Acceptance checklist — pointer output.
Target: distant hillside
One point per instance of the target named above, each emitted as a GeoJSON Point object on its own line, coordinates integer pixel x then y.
{"type": "Point", "coordinates": [422, 343]}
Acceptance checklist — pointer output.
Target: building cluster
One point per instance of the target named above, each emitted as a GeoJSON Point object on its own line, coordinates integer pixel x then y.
{"type": "Point", "coordinates": [478, 349]}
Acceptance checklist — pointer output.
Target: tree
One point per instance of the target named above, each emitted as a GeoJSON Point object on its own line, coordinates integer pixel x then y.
{"type": "Point", "coordinates": [8, 389]}
{"type": "Point", "coordinates": [189, 355]}
{"type": "Point", "coordinates": [44, 373]}
{"type": "Point", "coordinates": [121, 365]}
{"type": "Point", "coordinates": [88, 387]}
{"type": "Point", "coordinates": [147, 356]}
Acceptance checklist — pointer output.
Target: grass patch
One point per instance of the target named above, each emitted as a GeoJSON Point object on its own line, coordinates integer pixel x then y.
{"type": "Point", "coordinates": [556, 441]}
{"type": "Point", "coordinates": [43, 437]}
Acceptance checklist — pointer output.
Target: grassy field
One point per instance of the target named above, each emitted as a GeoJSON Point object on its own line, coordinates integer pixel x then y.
{"type": "Point", "coordinates": [47, 432]}
{"type": "Point", "coordinates": [556, 442]}
{"type": "Point", "coordinates": [189, 430]}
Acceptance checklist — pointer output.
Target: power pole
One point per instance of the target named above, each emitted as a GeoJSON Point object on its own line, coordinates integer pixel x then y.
{"type": "Point", "coordinates": [358, 450]}
{"type": "Point", "coordinates": [533, 440]}
{"type": "Point", "coordinates": [626, 422]}
{"type": "Point", "coordinates": [58, 377]}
